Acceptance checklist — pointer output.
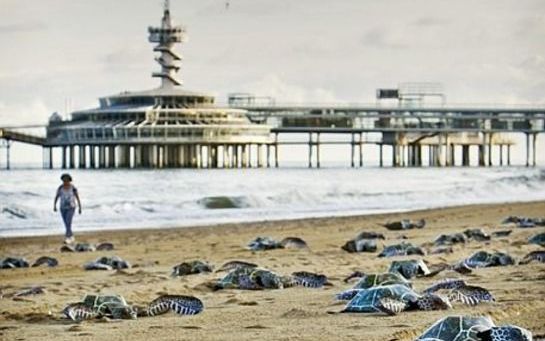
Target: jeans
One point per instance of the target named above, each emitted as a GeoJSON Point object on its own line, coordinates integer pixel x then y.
{"type": "Point", "coordinates": [67, 214]}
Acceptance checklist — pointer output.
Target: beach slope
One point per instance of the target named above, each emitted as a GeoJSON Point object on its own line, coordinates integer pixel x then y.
{"type": "Point", "coordinates": [292, 313]}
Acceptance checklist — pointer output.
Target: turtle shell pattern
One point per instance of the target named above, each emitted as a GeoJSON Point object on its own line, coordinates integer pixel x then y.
{"type": "Point", "coordinates": [367, 301]}
{"type": "Point", "coordinates": [109, 305]}
{"type": "Point", "coordinates": [386, 278]}
{"type": "Point", "coordinates": [457, 328]}
{"type": "Point", "coordinates": [409, 268]}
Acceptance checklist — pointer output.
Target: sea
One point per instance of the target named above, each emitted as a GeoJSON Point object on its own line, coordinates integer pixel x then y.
{"type": "Point", "coordinates": [134, 199]}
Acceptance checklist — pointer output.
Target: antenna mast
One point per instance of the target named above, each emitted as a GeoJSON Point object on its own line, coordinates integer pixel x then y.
{"type": "Point", "coordinates": [166, 36]}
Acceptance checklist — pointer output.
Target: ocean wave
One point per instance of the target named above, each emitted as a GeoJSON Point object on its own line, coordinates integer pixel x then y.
{"type": "Point", "coordinates": [14, 212]}
{"type": "Point", "coordinates": [182, 198]}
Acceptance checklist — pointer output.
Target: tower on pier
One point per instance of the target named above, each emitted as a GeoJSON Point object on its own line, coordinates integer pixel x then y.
{"type": "Point", "coordinates": [166, 36]}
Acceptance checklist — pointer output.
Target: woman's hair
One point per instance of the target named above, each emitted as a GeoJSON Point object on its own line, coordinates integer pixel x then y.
{"type": "Point", "coordinates": [67, 177]}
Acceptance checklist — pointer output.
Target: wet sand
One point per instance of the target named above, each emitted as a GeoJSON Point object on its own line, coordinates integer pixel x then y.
{"type": "Point", "coordinates": [288, 314]}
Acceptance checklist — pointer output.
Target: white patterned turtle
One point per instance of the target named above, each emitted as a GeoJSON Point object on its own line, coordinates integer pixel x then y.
{"type": "Point", "coordinates": [467, 328]}
{"type": "Point", "coordinates": [393, 299]}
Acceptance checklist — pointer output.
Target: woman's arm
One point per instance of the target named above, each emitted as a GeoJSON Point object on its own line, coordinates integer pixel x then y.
{"type": "Point", "coordinates": [79, 202]}
{"type": "Point", "coordinates": [55, 201]}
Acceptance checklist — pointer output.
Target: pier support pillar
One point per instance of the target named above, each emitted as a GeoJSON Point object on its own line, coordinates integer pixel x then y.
{"type": "Point", "coordinates": [260, 156]}
{"type": "Point", "coordinates": [215, 157]}
{"type": "Point", "coordinates": [64, 163]}
{"type": "Point", "coordinates": [380, 156]}
{"type": "Point", "coordinates": [482, 151]}
{"type": "Point", "coordinates": [276, 150]}
{"type": "Point", "coordinates": [501, 154]}
{"type": "Point", "coordinates": [101, 156]}
{"type": "Point", "coordinates": [318, 150]}
{"type": "Point", "coordinates": [352, 150]}
{"type": "Point", "coordinates": [137, 162]}
{"type": "Point", "coordinates": [395, 155]}
{"type": "Point", "coordinates": [490, 162]}
{"type": "Point", "coordinates": [250, 156]}
{"type": "Point", "coordinates": [124, 160]}
{"type": "Point", "coordinates": [361, 149]}
{"type": "Point", "coordinates": [111, 157]}
{"type": "Point", "coordinates": [534, 148]}
{"type": "Point", "coordinates": [225, 152]}
{"type": "Point", "coordinates": [244, 156]}
{"type": "Point", "coordinates": [465, 155]}
{"type": "Point", "coordinates": [527, 150]}
{"type": "Point", "coordinates": [72, 151]}
{"type": "Point", "coordinates": [192, 161]}
{"type": "Point", "coordinates": [50, 152]}
{"type": "Point", "coordinates": [81, 157]}
{"type": "Point", "coordinates": [310, 150]}
{"type": "Point", "coordinates": [92, 157]}
{"type": "Point", "coordinates": [268, 150]}
{"type": "Point", "coordinates": [509, 155]}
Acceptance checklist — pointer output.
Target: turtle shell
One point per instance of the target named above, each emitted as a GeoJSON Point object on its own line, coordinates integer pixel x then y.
{"type": "Point", "coordinates": [409, 268]}
{"type": "Point", "coordinates": [477, 234]}
{"type": "Point", "coordinates": [238, 278]}
{"type": "Point", "coordinates": [264, 243]}
{"type": "Point", "coordinates": [113, 306]}
{"type": "Point", "coordinates": [190, 268]}
{"type": "Point", "coordinates": [293, 243]}
{"type": "Point", "coordinates": [96, 302]}
{"type": "Point", "coordinates": [538, 239]}
{"type": "Point", "coordinates": [483, 259]}
{"type": "Point", "coordinates": [84, 247]}
{"type": "Point", "coordinates": [386, 278]}
{"type": "Point", "coordinates": [266, 279]}
{"type": "Point", "coordinates": [449, 239]}
{"type": "Point", "coordinates": [402, 249]}
{"type": "Point", "coordinates": [367, 301]}
{"type": "Point", "coordinates": [49, 261]}
{"type": "Point", "coordinates": [457, 328]}
{"type": "Point", "coordinates": [11, 262]}
{"type": "Point", "coordinates": [250, 279]}
{"type": "Point", "coordinates": [360, 245]}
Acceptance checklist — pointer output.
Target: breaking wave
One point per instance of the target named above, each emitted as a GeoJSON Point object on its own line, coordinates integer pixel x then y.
{"type": "Point", "coordinates": [138, 199]}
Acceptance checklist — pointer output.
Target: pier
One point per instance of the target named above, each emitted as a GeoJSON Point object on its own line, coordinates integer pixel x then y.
{"type": "Point", "coordinates": [171, 127]}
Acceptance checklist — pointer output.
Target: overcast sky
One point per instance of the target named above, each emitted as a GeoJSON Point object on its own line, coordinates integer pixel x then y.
{"type": "Point", "coordinates": [486, 51]}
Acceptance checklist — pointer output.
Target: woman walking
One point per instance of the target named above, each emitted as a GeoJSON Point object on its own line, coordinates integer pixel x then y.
{"type": "Point", "coordinates": [69, 196]}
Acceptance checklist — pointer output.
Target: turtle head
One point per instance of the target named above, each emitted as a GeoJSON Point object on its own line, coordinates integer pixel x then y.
{"type": "Point", "coordinates": [130, 313]}
{"type": "Point", "coordinates": [433, 302]}
{"type": "Point", "coordinates": [355, 274]}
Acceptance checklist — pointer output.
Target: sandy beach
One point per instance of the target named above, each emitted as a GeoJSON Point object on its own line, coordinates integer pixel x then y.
{"type": "Point", "coordinates": [288, 314]}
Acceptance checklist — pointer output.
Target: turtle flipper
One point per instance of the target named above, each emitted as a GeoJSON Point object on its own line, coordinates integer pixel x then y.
{"type": "Point", "coordinates": [158, 306]}
{"type": "Point", "coordinates": [182, 305]}
{"type": "Point", "coordinates": [449, 283]}
{"type": "Point", "coordinates": [347, 295]}
{"type": "Point", "coordinates": [391, 306]}
{"type": "Point", "coordinates": [186, 305]}
{"type": "Point", "coordinates": [471, 295]}
{"type": "Point", "coordinates": [79, 312]}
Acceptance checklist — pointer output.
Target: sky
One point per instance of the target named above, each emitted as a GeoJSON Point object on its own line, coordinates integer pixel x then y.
{"type": "Point", "coordinates": [61, 55]}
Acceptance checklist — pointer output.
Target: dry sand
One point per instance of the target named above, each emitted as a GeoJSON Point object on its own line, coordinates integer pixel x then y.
{"type": "Point", "coordinates": [293, 313]}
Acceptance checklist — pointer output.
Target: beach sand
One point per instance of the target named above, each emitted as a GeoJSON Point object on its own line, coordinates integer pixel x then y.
{"type": "Point", "coordinates": [288, 314]}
